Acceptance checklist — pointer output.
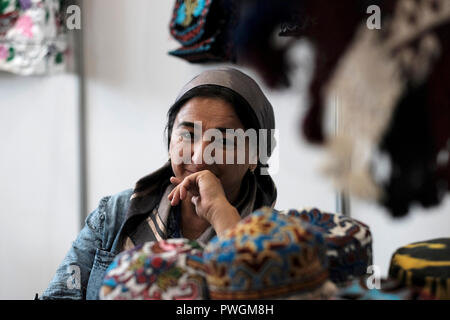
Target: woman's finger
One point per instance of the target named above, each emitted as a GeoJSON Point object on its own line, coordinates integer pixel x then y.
{"type": "Point", "coordinates": [170, 196]}
{"type": "Point", "coordinates": [190, 184]}
{"type": "Point", "coordinates": [176, 196]}
{"type": "Point", "coordinates": [175, 180]}
{"type": "Point", "coordinates": [183, 192]}
{"type": "Point", "coordinates": [182, 188]}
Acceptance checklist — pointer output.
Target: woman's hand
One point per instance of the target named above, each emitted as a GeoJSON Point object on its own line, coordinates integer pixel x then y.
{"type": "Point", "coordinates": [208, 197]}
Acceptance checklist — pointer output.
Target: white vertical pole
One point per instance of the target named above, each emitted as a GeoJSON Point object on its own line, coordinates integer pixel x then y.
{"type": "Point", "coordinates": [342, 198]}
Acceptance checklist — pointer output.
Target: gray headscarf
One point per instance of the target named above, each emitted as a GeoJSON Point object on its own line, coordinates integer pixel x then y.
{"type": "Point", "coordinates": [244, 86]}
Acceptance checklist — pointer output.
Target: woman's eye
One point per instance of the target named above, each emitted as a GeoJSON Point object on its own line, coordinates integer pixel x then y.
{"type": "Point", "coordinates": [187, 135]}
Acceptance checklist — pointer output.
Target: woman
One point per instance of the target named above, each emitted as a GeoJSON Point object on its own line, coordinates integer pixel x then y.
{"type": "Point", "coordinates": [190, 199]}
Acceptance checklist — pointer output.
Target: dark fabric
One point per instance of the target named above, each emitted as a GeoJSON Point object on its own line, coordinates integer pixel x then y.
{"type": "Point", "coordinates": [143, 233]}
{"type": "Point", "coordinates": [174, 223]}
{"type": "Point", "coordinates": [410, 146]}
{"type": "Point", "coordinates": [418, 134]}
{"type": "Point", "coordinates": [438, 103]}
{"type": "Point", "coordinates": [253, 38]}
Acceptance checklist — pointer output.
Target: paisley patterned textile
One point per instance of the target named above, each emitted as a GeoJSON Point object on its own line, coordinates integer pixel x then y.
{"type": "Point", "coordinates": [166, 270]}
{"type": "Point", "coordinates": [424, 265]}
{"type": "Point", "coordinates": [348, 242]}
{"type": "Point", "coordinates": [268, 255]}
{"type": "Point", "coordinates": [200, 27]}
{"type": "Point", "coordinates": [33, 39]}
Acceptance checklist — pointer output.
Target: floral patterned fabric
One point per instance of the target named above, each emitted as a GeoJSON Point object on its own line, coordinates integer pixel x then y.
{"type": "Point", "coordinates": [165, 270]}
{"type": "Point", "coordinates": [33, 40]}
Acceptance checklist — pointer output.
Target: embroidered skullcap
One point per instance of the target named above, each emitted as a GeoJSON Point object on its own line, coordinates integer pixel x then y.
{"type": "Point", "coordinates": [165, 270]}
{"type": "Point", "coordinates": [348, 242]}
{"type": "Point", "coordinates": [424, 265]}
{"type": "Point", "coordinates": [267, 255]}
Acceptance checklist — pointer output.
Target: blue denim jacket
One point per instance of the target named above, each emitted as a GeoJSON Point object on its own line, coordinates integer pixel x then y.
{"type": "Point", "coordinates": [80, 274]}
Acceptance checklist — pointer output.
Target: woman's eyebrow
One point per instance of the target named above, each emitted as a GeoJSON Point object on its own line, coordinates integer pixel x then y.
{"type": "Point", "coordinates": [186, 124]}
{"type": "Point", "coordinates": [192, 125]}
{"type": "Point", "coordinates": [224, 130]}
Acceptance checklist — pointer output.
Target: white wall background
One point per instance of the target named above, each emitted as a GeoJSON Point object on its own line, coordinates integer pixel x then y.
{"type": "Point", "coordinates": [131, 82]}
{"type": "Point", "coordinates": [38, 180]}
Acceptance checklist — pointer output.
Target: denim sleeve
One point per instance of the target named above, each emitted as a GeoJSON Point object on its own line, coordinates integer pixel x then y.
{"type": "Point", "coordinates": [72, 276]}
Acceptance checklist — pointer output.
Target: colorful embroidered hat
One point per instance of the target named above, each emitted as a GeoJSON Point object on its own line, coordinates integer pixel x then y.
{"type": "Point", "coordinates": [268, 255]}
{"type": "Point", "coordinates": [201, 28]}
{"type": "Point", "coordinates": [165, 270]}
{"type": "Point", "coordinates": [424, 265]}
{"type": "Point", "coordinates": [348, 241]}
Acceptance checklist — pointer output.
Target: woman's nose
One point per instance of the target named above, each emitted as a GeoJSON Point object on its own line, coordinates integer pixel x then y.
{"type": "Point", "coordinates": [198, 155]}
{"type": "Point", "coordinates": [197, 152]}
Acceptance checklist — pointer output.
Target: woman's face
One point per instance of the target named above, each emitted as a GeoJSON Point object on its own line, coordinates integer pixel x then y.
{"type": "Point", "coordinates": [189, 143]}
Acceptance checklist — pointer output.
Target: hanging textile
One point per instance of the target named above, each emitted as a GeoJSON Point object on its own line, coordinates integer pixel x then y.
{"type": "Point", "coordinates": [380, 76]}
{"type": "Point", "coordinates": [203, 27]}
{"type": "Point", "coordinates": [256, 43]}
{"type": "Point", "coordinates": [390, 88]}
{"type": "Point", "coordinates": [369, 82]}
{"type": "Point", "coordinates": [33, 40]}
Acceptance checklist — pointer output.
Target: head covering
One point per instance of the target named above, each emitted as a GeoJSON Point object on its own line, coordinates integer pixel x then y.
{"type": "Point", "coordinates": [244, 86]}
{"type": "Point", "coordinates": [165, 270]}
{"type": "Point", "coordinates": [424, 265]}
{"type": "Point", "coordinates": [268, 255]}
{"type": "Point", "coordinates": [348, 242]}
